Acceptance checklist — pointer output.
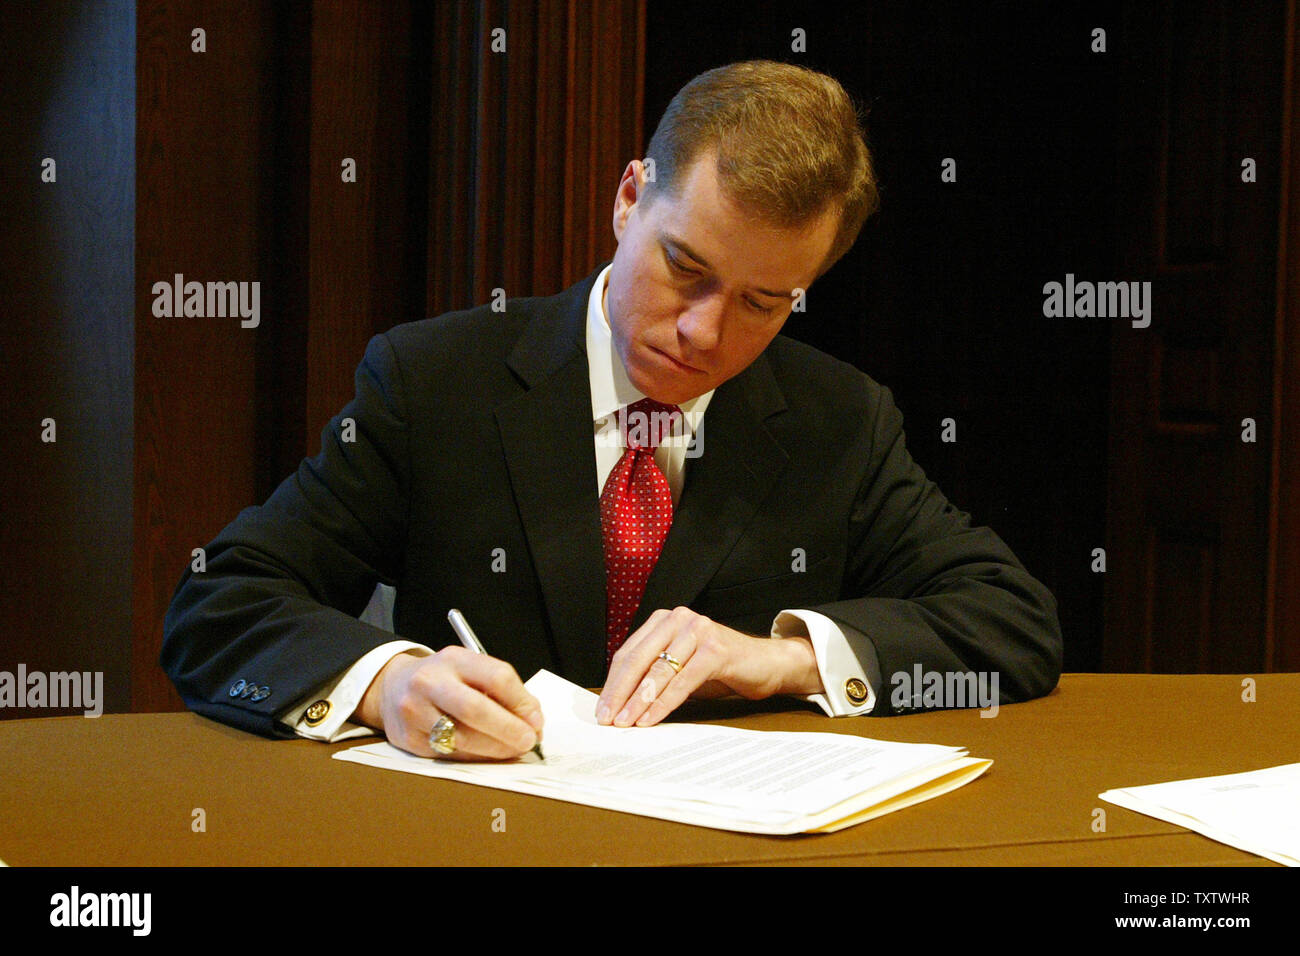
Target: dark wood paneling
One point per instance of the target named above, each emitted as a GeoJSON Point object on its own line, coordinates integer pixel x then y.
{"type": "Point", "coordinates": [1185, 389]}
{"type": "Point", "coordinates": [284, 121]}
{"type": "Point", "coordinates": [1188, 535]}
{"type": "Point", "coordinates": [1284, 554]}
{"type": "Point", "coordinates": [548, 221]}
{"type": "Point", "coordinates": [472, 173]}
{"type": "Point", "coordinates": [66, 93]}
{"type": "Point", "coordinates": [451, 157]}
{"type": "Point", "coordinates": [516, 173]}
{"type": "Point", "coordinates": [361, 93]}
{"type": "Point", "coordinates": [203, 127]}
{"type": "Point", "coordinates": [1196, 64]}
{"type": "Point", "coordinates": [1179, 618]}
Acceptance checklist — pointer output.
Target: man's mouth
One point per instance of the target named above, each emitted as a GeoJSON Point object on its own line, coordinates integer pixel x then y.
{"type": "Point", "coordinates": [678, 363]}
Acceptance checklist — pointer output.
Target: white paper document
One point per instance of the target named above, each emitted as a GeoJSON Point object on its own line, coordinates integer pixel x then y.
{"type": "Point", "coordinates": [1258, 811]}
{"type": "Point", "coordinates": [748, 780]}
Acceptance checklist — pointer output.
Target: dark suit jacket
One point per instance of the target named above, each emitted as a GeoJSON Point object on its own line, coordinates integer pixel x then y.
{"type": "Point", "coordinates": [474, 445]}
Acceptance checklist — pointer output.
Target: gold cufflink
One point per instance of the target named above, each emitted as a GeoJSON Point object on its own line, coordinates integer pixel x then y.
{"type": "Point", "coordinates": [317, 712]}
{"type": "Point", "coordinates": [856, 690]}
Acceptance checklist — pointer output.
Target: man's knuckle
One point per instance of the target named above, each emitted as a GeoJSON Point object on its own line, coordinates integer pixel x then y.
{"type": "Point", "coordinates": [436, 684]}
{"type": "Point", "coordinates": [409, 709]}
{"type": "Point", "coordinates": [424, 680]}
{"type": "Point", "coordinates": [501, 679]}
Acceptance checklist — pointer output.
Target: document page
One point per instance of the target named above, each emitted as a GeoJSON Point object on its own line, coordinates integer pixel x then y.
{"type": "Point", "coordinates": [755, 781]}
{"type": "Point", "coordinates": [1257, 811]}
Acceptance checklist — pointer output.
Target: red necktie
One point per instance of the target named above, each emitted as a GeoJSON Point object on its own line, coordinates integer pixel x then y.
{"type": "Point", "coordinates": [636, 510]}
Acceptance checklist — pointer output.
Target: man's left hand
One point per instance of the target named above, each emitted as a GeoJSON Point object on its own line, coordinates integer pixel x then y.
{"type": "Point", "coordinates": [642, 688]}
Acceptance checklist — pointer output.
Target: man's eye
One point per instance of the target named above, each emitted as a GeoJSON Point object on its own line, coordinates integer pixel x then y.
{"type": "Point", "coordinates": [678, 267]}
{"type": "Point", "coordinates": [759, 308]}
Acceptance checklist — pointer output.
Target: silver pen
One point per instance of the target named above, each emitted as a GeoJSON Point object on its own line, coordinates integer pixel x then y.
{"type": "Point", "coordinates": [470, 640]}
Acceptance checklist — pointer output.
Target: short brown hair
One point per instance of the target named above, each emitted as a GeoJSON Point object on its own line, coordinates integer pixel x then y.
{"type": "Point", "coordinates": [789, 145]}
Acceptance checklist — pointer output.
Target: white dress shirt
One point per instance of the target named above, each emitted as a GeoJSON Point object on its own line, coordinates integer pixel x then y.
{"type": "Point", "coordinates": [611, 390]}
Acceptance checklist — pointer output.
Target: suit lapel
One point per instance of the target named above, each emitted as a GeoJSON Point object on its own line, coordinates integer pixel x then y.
{"type": "Point", "coordinates": [547, 435]}
{"type": "Point", "coordinates": [739, 462]}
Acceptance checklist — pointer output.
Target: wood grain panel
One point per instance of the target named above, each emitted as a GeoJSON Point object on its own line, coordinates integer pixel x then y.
{"type": "Point", "coordinates": [67, 86]}
{"type": "Point", "coordinates": [360, 93]}
{"type": "Point", "coordinates": [552, 105]}
{"type": "Point", "coordinates": [1185, 388]}
{"type": "Point", "coordinates": [472, 173]}
{"type": "Point", "coordinates": [201, 129]}
{"type": "Point", "coordinates": [451, 158]}
{"type": "Point", "coordinates": [516, 173]}
{"type": "Point", "coordinates": [1283, 633]}
{"type": "Point", "coordinates": [1181, 389]}
{"type": "Point", "coordinates": [1180, 592]}
{"type": "Point", "coordinates": [1195, 54]}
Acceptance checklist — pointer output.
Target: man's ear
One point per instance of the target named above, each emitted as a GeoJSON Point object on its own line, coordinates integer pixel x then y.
{"type": "Point", "coordinates": [631, 190]}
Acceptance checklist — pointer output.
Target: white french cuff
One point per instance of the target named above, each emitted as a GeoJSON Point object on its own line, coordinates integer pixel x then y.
{"type": "Point", "coordinates": [836, 663]}
{"type": "Point", "coordinates": [323, 714]}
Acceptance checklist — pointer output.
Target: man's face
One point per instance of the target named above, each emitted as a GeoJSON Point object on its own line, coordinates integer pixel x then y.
{"type": "Point", "coordinates": [699, 287]}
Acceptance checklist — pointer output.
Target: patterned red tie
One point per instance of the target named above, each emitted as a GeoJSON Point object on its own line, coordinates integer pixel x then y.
{"type": "Point", "coordinates": [636, 510]}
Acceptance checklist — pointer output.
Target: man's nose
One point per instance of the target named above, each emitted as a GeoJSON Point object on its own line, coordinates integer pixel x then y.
{"type": "Point", "coordinates": [701, 322]}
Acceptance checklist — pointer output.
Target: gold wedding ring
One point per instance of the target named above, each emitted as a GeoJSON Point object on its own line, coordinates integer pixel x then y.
{"type": "Point", "coordinates": [671, 661]}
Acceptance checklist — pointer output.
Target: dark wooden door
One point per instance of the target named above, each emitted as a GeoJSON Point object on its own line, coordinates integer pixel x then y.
{"type": "Point", "coordinates": [1188, 521]}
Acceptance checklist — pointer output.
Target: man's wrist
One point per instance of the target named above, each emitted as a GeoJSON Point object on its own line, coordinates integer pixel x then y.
{"type": "Point", "coordinates": [370, 709]}
{"type": "Point", "coordinates": [801, 675]}
{"type": "Point", "coordinates": [846, 671]}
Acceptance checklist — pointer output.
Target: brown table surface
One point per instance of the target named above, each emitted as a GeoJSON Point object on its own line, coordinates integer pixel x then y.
{"type": "Point", "coordinates": [122, 790]}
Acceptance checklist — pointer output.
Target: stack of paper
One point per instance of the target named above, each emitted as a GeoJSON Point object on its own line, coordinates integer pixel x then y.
{"type": "Point", "coordinates": [748, 780]}
{"type": "Point", "coordinates": [1255, 811]}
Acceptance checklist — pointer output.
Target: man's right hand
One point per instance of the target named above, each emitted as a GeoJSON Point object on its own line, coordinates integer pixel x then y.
{"type": "Point", "coordinates": [496, 718]}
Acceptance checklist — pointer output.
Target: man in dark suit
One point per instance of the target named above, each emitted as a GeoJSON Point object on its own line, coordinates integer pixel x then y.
{"type": "Point", "coordinates": [494, 462]}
